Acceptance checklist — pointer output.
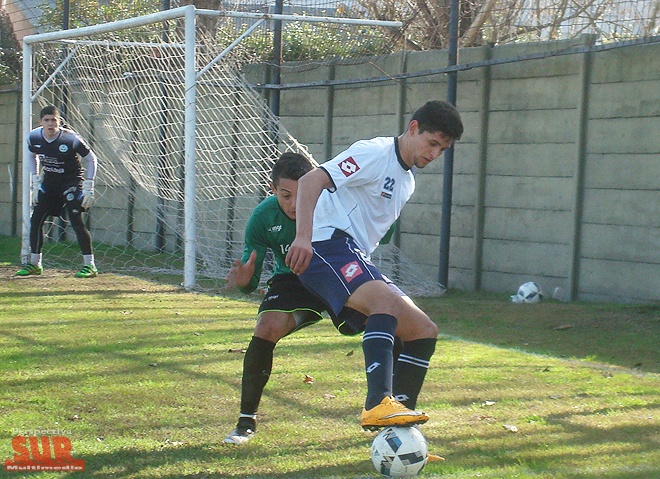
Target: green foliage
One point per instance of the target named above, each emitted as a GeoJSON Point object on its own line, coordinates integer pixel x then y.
{"type": "Point", "coordinates": [303, 41]}
{"type": "Point", "coordinates": [83, 13]}
{"type": "Point", "coordinates": [300, 40]}
{"type": "Point", "coordinates": [308, 41]}
{"type": "Point", "coordinates": [10, 52]}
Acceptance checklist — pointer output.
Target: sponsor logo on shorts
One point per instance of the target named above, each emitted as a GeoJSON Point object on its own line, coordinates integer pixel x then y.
{"type": "Point", "coordinates": [351, 271]}
{"type": "Point", "coordinates": [348, 166]}
{"type": "Point", "coordinates": [272, 297]}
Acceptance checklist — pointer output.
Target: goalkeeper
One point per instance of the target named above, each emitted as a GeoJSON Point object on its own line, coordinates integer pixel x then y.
{"type": "Point", "coordinates": [62, 186]}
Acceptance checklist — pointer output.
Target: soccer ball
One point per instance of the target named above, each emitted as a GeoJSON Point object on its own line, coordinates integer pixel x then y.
{"type": "Point", "coordinates": [528, 293]}
{"type": "Point", "coordinates": [399, 452]}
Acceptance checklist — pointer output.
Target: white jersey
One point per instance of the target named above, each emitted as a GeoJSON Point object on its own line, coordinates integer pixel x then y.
{"type": "Point", "coordinates": [371, 186]}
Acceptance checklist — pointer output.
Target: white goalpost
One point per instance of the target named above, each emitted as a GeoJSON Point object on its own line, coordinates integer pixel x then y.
{"type": "Point", "coordinates": [185, 145]}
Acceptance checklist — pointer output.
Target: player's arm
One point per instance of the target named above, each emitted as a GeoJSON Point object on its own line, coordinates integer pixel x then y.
{"type": "Point", "coordinates": [240, 275]}
{"type": "Point", "coordinates": [310, 187]}
{"type": "Point", "coordinates": [91, 163]}
{"type": "Point", "coordinates": [245, 273]}
{"type": "Point", "coordinates": [88, 184]}
{"type": "Point", "coordinates": [35, 177]}
{"type": "Point", "coordinates": [33, 164]}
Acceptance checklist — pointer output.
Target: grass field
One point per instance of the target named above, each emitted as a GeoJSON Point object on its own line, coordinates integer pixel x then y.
{"type": "Point", "coordinates": [144, 379]}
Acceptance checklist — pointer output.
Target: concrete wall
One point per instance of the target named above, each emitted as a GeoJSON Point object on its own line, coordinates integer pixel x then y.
{"type": "Point", "coordinates": [556, 179]}
{"type": "Point", "coordinates": [10, 160]}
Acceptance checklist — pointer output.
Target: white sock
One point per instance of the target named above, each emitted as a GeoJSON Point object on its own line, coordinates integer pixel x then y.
{"type": "Point", "coordinates": [88, 260]}
{"type": "Point", "coordinates": [35, 258]}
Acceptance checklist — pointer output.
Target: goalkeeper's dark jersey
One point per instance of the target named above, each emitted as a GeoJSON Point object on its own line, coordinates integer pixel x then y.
{"type": "Point", "coordinates": [268, 228]}
{"type": "Point", "coordinates": [60, 158]}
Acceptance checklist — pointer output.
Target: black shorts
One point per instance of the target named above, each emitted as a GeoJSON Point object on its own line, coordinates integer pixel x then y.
{"type": "Point", "coordinates": [57, 198]}
{"type": "Point", "coordinates": [286, 294]}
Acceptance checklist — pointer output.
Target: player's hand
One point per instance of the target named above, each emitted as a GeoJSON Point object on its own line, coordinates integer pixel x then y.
{"type": "Point", "coordinates": [240, 274]}
{"type": "Point", "coordinates": [35, 186]}
{"type": "Point", "coordinates": [88, 194]}
{"type": "Point", "coordinates": [299, 255]}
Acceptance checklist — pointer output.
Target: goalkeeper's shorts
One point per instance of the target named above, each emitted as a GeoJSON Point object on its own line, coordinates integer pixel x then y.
{"type": "Point", "coordinates": [55, 199]}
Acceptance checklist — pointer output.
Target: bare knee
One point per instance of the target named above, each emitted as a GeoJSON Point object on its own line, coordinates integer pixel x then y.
{"type": "Point", "coordinates": [274, 326]}
{"type": "Point", "coordinates": [415, 323]}
{"type": "Point", "coordinates": [429, 329]}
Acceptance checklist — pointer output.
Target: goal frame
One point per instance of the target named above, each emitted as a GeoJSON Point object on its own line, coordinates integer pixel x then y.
{"type": "Point", "coordinates": [191, 76]}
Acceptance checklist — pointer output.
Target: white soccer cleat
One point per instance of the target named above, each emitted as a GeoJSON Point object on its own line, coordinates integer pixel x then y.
{"type": "Point", "coordinates": [239, 436]}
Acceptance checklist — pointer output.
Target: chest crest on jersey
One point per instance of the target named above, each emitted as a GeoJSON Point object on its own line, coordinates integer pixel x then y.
{"type": "Point", "coordinates": [63, 148]}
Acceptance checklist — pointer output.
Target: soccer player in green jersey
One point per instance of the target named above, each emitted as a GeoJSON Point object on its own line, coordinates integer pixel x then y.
{"type": "Point", "coordinates": [287, 305]}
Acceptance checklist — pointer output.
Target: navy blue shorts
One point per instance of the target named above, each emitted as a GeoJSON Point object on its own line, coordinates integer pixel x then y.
{"type": "Point", "coordinates": [286, 294]}
{"type": "Point", "coordinates": [338, 267]}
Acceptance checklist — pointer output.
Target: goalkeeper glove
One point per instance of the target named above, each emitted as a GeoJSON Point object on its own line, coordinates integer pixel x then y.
{"type": "Point", "coordinates": [35, 186]}
{"type": "Point", "coordinates": [88, 194]}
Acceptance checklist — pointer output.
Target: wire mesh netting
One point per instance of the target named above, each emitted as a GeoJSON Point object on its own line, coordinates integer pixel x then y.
{"type": "Point", "coordinates": [125, 92]}
{"type": "Point", "coordinates": [425, 21]}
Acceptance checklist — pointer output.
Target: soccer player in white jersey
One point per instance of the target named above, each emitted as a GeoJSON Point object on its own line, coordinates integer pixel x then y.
{"type": "Point", "coordinates": [287, 306]}
{"type": "Point", "coordinates": [343, 209]}
{"type": "Point", "coordinates": [59, 184]}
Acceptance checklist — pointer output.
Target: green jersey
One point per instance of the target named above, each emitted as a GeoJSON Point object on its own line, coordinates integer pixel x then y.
{"type": "Point", "coordinates": [268, 228]}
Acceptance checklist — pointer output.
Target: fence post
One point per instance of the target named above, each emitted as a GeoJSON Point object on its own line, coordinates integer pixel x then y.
{"type": "Point", "coordinates": [448, 167]}
{"type": "Point", "coordinates": [580, 158]}
{"type": "Point", "coordinates": [479, 206]}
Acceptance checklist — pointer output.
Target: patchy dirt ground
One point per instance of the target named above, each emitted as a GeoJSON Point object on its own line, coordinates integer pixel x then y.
{"type": "Point", "coordinates": [64, 279]}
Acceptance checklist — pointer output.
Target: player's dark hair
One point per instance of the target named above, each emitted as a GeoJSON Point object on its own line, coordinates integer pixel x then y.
{"type": "Point", "coordinates": [436, 115]}
{"type": "Point", "coordinates": [290, 166]}
{"type": "Point", "coordinates": [49, 110]}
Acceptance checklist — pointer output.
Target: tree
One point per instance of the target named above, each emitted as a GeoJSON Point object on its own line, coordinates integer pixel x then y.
{"type": "Point", "coordinates": [10, 52]}
{"type": "Point", "coordinates": [83, 13]}
{"type": "Point", "coordinates": [509, 21]}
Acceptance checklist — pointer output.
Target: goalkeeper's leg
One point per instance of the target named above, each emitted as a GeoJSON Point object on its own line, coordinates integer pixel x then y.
{"type": "Point", "coordinates": [84, 240]}
{"type": "Point", "coordinates": [37, 220]}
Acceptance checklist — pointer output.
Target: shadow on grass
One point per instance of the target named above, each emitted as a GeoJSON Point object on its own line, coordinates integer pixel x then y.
{"type": "Point", "coordinates": [213, 461]}
{"type": "Point", "coordinates": [614, 334]}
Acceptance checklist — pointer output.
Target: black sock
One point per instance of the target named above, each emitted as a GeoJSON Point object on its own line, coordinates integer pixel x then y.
{"type": "Point", "coordinates": [410, 370]}
{"type": "Point", "coordinates": [377, 344]}
{"type": "Point", "coordinates": [257, 365]}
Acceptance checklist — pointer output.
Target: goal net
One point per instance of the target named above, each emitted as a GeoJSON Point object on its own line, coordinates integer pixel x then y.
{"type": "Point", "coordinates": [185, 145]}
